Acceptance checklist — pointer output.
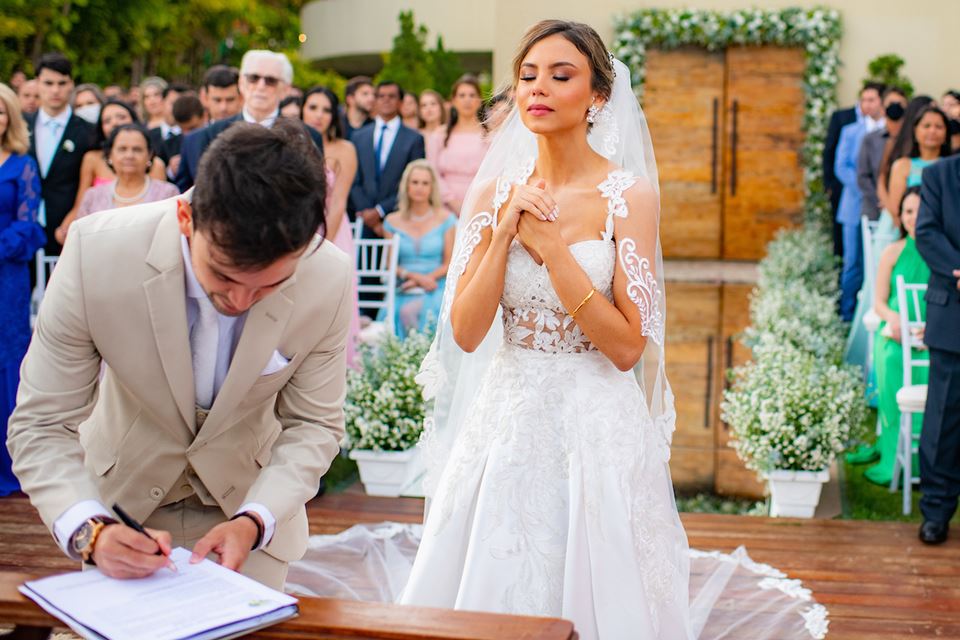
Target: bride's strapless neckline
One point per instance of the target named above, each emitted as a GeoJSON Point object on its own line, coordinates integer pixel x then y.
{"type": "Point", "coordinates": [569, 246]}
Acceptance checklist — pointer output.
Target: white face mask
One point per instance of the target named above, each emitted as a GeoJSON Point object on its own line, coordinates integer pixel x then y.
{"type": "Point", "coordinates": [89, 112]}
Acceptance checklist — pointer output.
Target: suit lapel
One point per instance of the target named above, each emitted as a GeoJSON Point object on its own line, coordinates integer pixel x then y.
{"type": "Point", "coordinates": [261, 335]}
{"type": "Point", "coordinates": [166, 300]}
{"type": "Point", "coordinates": [393, 157]}
{"type": "Point", "coordinates": [69, 132]}
{"type": "Point", "coordinates": [32, 121]}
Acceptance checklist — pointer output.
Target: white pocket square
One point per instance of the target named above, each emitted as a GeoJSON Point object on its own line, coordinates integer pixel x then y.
{"type": "Point", "coordinates": [276, 363]}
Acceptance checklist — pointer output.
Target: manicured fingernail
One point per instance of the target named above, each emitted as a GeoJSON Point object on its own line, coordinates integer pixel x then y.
{"type": "Point", "coordinates": [194, 558]}
{"type": "Point", "coordinates": [172, 567]}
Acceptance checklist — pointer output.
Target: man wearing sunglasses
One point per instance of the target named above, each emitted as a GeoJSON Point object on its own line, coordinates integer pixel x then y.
{"type": "Point", "coordinates": [265, 77]}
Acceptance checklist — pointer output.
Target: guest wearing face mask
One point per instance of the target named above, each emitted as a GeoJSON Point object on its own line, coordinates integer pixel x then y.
{"type": "Point", "coordinates": [87, 101]}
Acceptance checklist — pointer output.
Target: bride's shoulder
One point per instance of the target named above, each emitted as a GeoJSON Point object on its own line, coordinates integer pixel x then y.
{"type": "Point", "coordinates": [637, 192]}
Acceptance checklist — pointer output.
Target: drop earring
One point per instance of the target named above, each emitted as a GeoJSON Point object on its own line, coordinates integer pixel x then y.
{"type": "Point", "coordinates": [592, 113]}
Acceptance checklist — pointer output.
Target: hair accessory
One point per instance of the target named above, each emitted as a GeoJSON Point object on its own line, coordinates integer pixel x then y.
{"type": "Point", "coordinates": [612, 66]}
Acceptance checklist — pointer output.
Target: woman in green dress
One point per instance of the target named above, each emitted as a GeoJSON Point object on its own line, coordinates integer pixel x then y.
{"type": "Point", "coordinates": [899, 259]}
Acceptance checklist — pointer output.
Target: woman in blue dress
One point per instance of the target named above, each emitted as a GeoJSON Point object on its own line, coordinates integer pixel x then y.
{"type": "Point", "coordinates": [426, 231]}
{"type": "Point", "coordinates": [20, 238]}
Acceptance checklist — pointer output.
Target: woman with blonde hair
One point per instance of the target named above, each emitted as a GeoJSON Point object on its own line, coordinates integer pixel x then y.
{"type": "Point", "coordinates": [151, 101]}
{"type": "Point", "coordinates": [20, 237]}
{"type": "Point", "coordinates": [426, 231]}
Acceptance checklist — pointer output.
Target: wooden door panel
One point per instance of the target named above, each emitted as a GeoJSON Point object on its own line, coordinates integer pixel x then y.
{"type": "Point", "coordinates": [763, 133]}
{"type": "Point", "coordinates": [679, 94]}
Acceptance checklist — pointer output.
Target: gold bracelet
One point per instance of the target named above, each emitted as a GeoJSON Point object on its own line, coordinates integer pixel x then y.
{"type": "Point", "coordinates": [585, 301]}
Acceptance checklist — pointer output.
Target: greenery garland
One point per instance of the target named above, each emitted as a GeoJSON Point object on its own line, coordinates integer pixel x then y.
{"type": "Point", "coordinates": [817, 30]}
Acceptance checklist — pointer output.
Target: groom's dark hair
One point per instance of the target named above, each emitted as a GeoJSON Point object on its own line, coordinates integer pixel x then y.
{"type": "Point", "coordinates": [260, 192]}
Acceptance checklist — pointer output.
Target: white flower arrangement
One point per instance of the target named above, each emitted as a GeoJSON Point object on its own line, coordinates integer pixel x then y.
{"type": "Point", "coordinates": [384, 408]}
{"type": "Point", "coordinates": [801, 255]}
{"type": "Point", "coordinates": [790, 410]}
{"type": "Point", "coordinates": [796, 315]}
{"type": "Point", "coordinates": [817, 30]}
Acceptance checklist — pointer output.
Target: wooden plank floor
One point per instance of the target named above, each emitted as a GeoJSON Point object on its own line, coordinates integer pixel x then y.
{"type": "Point", "coordinates": [876, 579]}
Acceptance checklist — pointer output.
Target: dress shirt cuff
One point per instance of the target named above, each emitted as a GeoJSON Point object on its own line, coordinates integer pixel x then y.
{"type": "Point", "coordinates": [381, 212]}
{"type": "Point", "coordinates": [269, 522]}
{"type": "Point", "coordinates": [72, 519]}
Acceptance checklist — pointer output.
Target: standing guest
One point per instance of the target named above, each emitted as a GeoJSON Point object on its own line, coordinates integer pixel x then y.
{"type": "Point", "coordinates": [113, 91]}
{"type": "Point", "coordinates": [872, 150]}
{"type": "Point", "coordinates": [899, 259]}
{"type": "Point", "coordinates": [220, 92]}
{"type": "Point", "coordinates": [899, 148]}
{"type": "Point", "coordinates": [938, 240]}
{"type": "Point", "coordinates": [384, 149]}
{"type": "Point", "coordinates": [59, 141]}
{"type": "Point", "coordinates": [426, 231]}
{"type": "Point", "coordinates": [132, 97]}
{"type": "Point", "coordinates": [151, 107]}
{"type": "Point", "coordinates": [129, 154]}
{"type": "Point", "coordinates": [929, 143]}
{"type": "Point", "coordinates": [20, 238]}
{"type": "Point", "coordinates": [432, 114]}
{"type": "Point", "coordinates": [410, 111]}
{"type": "Point", "coordinates": [169, 128]}
{"type": "Point", "coordinates": [950, 103]}
{"type": "Point", "coordinates": [87, 101]}
{"type": "Point", "coordinates": [290, 107]}
{"type": "Point", "coordinates": [17, 78]}
{"type": "Point", "coordinates": [360, 100]}
{"type": "Point", "coordinates": [868, 101]}
{"type": "Point", "coordinates": [498, 108]}
{"type": "Point", "coordinates": [457, 151]}
{"type": "Point", "coordinates": [264, 78]}
{"type": "Point", "coordinates": [221, 321]}
{"type": "Point", "coordinates": [95, 169]}
{"type": "Point", "coordinates": [320, 112]}
{"type": "Point", "coordinates": [29, 95]}
{"type": "Point", "coordinates": [848, 211]}
{"type": "Point", "coordinates": [189, 115]}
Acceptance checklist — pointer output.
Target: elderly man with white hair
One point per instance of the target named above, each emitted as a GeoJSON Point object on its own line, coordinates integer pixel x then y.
{"type": "Point", "coordinates": [265, 77]}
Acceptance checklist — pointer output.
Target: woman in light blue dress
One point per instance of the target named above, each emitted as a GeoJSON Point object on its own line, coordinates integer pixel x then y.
{"type": "Point", "coordinates": [426, 231]}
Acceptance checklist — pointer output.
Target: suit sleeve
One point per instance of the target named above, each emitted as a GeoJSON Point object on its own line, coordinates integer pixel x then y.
{"type": "Point", "coordinates": [58, 384]}
{"type": "Point", "coordinates": [310, 411]}
{"type": "Point", "coordinates": [940, 254]}
{"type": "Point", "coordinates": [830, 152]}
{"type": "Point", "coordinates": [358, 198]}
{"type": "Point", "coordinates": [188, 155]}
{"type": "Point", "coordinates": [21, 239]}
{"type": "Point", "coordinates": [845, 165]}
{"type": "Point", "coordinates": [866, 180]}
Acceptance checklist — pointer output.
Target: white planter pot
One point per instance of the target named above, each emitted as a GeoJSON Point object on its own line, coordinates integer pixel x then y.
{"type": "Point", "coordinates": [795, 494]}
{"type": "Point", "coordinates": [386, 473]}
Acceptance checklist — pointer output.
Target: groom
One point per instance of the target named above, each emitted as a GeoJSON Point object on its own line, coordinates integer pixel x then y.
{"type": "Point", "coordinates": [222, 324]}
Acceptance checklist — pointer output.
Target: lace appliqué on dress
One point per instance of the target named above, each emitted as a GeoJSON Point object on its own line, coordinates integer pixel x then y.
{"type": "Point", "coordinates": [643, 290]}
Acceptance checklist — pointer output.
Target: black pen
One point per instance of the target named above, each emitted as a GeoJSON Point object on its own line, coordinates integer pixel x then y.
{"type": "Point", "coordinates": [136, 526]}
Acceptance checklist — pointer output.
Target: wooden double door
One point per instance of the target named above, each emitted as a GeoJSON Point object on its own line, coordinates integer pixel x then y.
{"type": "Point", "coordinates": [727, 133]}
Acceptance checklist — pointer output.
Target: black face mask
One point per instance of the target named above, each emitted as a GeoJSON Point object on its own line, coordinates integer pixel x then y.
{"type": "Point", "coordinates": [954, 127]}
{"type": "Point", "coordinates": [894, 111]}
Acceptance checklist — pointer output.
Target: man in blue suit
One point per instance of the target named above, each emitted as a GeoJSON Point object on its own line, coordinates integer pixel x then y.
{"type": "Point", "coordinates": [384, 149]}
{"type": "Point", "coordinates": [938, 241]}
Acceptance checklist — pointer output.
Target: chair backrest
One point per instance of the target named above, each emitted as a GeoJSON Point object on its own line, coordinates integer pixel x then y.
{"type": "Point", "coordinates": [868, 228]}
{"type": "Point", "coordinates": [357, 228]}
{"type": "Point", "coordinates": [910, 303]}
{"type": "Point", "coordinates": [377, 274]}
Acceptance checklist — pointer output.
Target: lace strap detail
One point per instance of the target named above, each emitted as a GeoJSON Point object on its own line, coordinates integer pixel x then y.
{"type": "Point", "coordinates": [612, 189]}
{"type": "Point", "coordinates": [28, 192]}
{"type": "Point", "coordinates": [643, 290]}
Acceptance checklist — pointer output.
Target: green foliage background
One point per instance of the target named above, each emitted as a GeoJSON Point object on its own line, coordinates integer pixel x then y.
{"type": "Point", "coordinates": [415, 67]}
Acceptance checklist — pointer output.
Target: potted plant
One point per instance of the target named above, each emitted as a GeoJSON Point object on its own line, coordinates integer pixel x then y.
{"type": "Point", "coordinates": [384, 412]}
{"type": "Point", "coordinates": [791, 413]}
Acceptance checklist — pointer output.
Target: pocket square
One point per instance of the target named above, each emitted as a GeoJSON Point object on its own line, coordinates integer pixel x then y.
{"type": "Point", "coordinates": [276, 363]}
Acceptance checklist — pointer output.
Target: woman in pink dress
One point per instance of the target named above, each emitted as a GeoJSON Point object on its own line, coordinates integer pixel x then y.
{"type": "Point", "coordinates": [457, 150]}
{"type": "Point", "coordinates": [319, 111]}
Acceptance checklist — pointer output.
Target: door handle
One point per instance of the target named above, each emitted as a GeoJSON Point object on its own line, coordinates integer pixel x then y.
{"type": "Point", "coordinates": [728, 365]}
{"type": "Point", "coordinates": [735, 108]}
{"type": "Point", "coordinates": [708, 396]}
{"type": "Point", "coordinates": [714, 135]}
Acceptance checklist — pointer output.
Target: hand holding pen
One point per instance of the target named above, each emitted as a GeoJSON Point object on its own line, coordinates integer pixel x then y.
{"type": "Point", "coordinates": [131, 551]}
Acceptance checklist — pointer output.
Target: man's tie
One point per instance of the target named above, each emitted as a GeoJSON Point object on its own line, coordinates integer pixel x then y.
{"type": "Point", "coordinates": [379, 150]}
{"type": "Point", "coordinates": [53, 140]}
{"type": "Point", "coordinates": [203, 344]}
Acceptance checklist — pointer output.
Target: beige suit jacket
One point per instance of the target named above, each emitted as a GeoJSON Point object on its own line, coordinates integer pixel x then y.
{"type": "Point", "coordinates": [118, 296]}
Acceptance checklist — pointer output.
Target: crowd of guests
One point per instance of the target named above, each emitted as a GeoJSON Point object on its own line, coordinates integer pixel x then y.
{"type": "Point", "coordinates": [398, 162]}
{"type": "Point", "coordinates": [887, 164]}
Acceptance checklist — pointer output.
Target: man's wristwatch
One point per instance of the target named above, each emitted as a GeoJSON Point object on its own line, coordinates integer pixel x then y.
{"type": "Point", "coordinates": [86, 536]}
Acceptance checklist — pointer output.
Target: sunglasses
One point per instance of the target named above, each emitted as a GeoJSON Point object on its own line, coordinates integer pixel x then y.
{"type": "Point", "coordinates": [254, 78]}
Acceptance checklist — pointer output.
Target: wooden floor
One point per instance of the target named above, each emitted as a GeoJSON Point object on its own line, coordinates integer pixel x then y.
{"type": "Point", "coordinates": [876, 579]}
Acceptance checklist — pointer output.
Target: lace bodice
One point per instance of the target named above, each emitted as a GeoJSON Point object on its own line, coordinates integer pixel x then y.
{"type": "Point", "coordinates": [533, 316]}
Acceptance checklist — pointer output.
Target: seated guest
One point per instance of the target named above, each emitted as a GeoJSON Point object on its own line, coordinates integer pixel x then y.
{"type": "Point", "coordinates": [130, 155]}
{"type": "Point", "coordinates": [290, 107]}
{"type": "Point", "coordinates": [20, 238]}
{"type": "Point", "coordinates": [899, 259]}
{"type": "Point", "coordinates": [87, 102]}
{"type": "Point", "coordinates": [426, 231]}
{"type": "Point", "coordinates": [95, 170]}
{"type": "Point", "coordinates": [220, 93]}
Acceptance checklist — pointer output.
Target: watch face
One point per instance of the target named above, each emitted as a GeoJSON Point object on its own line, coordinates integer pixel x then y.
{"type": "Point", "coordinates": [82, 539]}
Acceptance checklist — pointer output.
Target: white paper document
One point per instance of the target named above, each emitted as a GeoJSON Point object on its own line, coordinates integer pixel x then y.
{"type": "Point", "coordinates": [198, 602]}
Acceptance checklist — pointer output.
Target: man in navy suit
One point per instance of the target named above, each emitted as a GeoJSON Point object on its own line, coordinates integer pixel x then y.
{"type": "Point", "coordinates": [938, 240]}
{"type": "Point", "coordinates": [384, 148]}
{"type": "Point", "coordinates": [265, 77]}
{"type": "Point", "coordinates": [58, 140]}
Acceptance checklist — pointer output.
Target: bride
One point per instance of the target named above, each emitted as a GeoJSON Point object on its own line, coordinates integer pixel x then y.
{"type": "Point", "coordinates": [549, 446]}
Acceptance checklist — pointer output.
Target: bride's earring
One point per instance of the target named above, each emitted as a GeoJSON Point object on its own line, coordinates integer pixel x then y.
{"type": "Point", "coordinates": [592, 113]}
{"type": "Point", "coordinates": [605, 130]}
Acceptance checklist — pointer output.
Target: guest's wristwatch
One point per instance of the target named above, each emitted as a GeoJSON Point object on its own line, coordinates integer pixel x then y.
{"type": "Point", "coordinates": [86, 537]}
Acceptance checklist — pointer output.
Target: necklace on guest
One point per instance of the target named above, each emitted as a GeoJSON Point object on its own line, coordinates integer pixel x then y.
{"type": "Point", "coordinates": [119, 199]}
{"type": "Point", "coordinates": [422, 217]}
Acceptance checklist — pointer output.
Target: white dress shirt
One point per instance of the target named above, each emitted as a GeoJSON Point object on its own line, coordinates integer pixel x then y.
{"type": "Point", "coordinates": [230, 329]}
{"type": "Point", "coordinates": [389, 130]}
{"type": "Point", "coordinates": [48, 132]}
{"type": "Point", "coordinates": [266, 122]}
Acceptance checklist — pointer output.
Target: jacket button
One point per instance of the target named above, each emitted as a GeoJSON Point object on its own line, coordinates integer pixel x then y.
{"type": "Point", "coordinates": [156, 493]}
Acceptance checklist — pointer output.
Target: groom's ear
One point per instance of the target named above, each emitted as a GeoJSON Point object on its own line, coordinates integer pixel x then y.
{"type": "Point", "coordinates": [185, 217]}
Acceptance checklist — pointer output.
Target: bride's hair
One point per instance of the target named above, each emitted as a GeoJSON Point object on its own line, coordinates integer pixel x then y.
{"type": "Point", "coordinates": [584, 38]}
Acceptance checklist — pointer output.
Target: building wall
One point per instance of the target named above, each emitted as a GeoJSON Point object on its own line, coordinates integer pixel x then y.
{"type": "Point", "coordinates": [923, 32]}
